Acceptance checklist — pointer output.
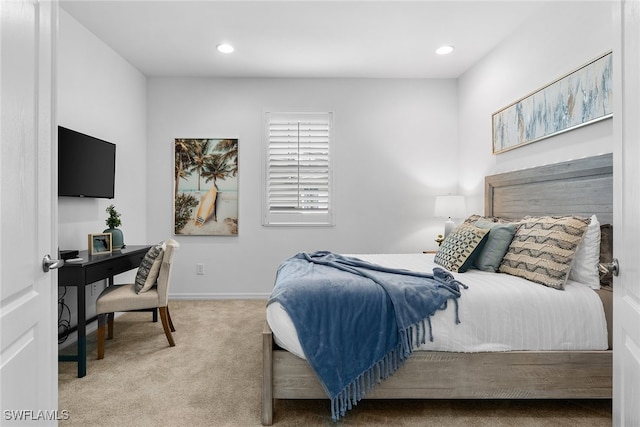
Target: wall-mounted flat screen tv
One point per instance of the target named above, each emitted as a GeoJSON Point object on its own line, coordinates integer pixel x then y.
{"type": "Point", "coordinates": [86, 165]}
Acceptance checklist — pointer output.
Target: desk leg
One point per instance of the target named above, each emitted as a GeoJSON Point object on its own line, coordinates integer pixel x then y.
{"type": "Point", "coordinates": [82, 332]}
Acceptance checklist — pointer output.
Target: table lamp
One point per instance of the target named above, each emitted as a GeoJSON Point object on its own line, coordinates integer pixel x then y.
{"type": "Point", "coordinates": [449, 206]}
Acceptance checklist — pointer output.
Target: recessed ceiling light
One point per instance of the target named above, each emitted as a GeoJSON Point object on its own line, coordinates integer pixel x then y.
{"type": "Point", "coordinates": [444, 50]}
{"type": "Point", "coordinates": [224, 48]}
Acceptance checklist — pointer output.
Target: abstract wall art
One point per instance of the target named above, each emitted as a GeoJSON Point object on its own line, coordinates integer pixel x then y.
{"type": "Point", "coordinates": [579, 98]}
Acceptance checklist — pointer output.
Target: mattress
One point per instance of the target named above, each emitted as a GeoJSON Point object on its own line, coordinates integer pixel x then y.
{"type": "Point", "coordinates": [498, 312]}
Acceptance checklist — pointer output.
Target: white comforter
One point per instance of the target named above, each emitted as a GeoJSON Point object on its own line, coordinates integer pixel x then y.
{"type": "Point", "coordinates": [498, 312]}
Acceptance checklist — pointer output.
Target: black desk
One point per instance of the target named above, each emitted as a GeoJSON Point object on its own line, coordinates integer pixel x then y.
{"type": "Point", "coordinates": [92, 269]}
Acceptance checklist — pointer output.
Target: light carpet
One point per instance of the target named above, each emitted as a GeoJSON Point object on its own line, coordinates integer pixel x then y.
{"type": "Point", "coordinates": [212, 377]}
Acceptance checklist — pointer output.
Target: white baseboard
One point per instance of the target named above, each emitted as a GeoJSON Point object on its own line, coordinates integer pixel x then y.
{"type": "Point", "coordinates": [208, 296]}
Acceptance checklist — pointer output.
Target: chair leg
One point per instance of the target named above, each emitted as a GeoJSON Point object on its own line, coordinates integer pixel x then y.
{"type": "Point", "coordinates": [110, 318]}
{"type": "Point", "coordinates": [170, 321]}
{"type": "Point", "coordinates": [165, 325]}
{"type": "Point", "coordinates": [154, 315]}
{"type": "Point", "coordinates": [101, 322]}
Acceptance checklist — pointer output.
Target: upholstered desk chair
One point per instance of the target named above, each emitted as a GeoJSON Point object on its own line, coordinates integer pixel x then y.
{"type": "Point", "coordinates": [150, 291]}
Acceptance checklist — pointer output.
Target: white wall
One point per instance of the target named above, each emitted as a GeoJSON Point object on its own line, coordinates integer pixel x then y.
{"type": "Point", "coordinates": [398, 144]}
{"type": "Point", "coordinates": [395, 149]}
{"type": "Point", "coordinates": [102, 95]}
{"type": "Point", "coordinates": [560, 39]}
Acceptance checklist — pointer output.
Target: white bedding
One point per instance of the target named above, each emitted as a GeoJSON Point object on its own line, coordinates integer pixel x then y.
{"type": "Point", "coordinates": [498, 312]}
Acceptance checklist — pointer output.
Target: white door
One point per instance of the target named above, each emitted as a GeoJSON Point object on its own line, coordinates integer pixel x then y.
{"type": "Point", "coordinates": [28, 209]}
{"type": "Point", "coordinates": [626, 203]}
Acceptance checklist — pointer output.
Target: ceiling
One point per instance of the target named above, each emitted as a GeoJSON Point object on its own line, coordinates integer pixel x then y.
{"type": "Point", "coordinates": [317, 39]}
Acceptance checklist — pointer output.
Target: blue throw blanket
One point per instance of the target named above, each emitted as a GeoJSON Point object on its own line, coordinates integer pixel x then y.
{"type": "Point", "coordinates": [358, 322]}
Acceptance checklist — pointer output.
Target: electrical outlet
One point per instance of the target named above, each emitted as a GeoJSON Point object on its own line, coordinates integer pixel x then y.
{"type": "Point", "coordinates": [94, 289]}
{"type": "Point", "coordinates": [200, 269]}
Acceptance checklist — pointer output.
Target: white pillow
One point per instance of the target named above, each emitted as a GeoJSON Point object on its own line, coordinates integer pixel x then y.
{"type": "Point", "coordinates": [585, 262]}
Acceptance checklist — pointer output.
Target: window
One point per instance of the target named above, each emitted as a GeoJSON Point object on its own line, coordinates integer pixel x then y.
{"type": "Point", "coordinates": [298, 169]}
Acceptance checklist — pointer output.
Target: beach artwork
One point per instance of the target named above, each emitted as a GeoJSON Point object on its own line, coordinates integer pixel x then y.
{"type": "Point", "coordinates": [206, 187]}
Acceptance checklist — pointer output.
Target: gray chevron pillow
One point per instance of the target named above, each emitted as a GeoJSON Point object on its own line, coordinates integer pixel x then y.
{"type": "Point", "coordinates": [543, 248]}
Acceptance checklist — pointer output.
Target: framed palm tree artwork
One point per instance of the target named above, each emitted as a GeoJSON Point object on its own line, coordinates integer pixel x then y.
{"type": "Point", "coordinates": [206, 187]}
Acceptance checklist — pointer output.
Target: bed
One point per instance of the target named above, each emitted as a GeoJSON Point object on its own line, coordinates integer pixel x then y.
{"type": "Point", "coordinates": [579, 187]}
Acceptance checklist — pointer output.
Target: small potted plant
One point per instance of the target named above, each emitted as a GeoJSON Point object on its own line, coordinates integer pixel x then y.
{"type": "Point", "coordinates": [113, 222]}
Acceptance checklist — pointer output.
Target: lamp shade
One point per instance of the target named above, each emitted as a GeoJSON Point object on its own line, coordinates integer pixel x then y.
{"type": "Point", "coordinates": [450, 206]}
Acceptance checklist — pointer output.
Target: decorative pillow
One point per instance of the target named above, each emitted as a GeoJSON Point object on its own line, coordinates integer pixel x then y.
{"type": "Point", "coordinates": [585, 263]}
{"type": "Point", "coordinates": [460, 248]}
{"type": "Point", "coordinates": [543, 248]}
{"type": "Point", "coordinates": [606, 251]}
{"type": "Point", "coordinates": [472, 219]}
{"type": "Point", "coordinates": [149, 268]}
{"type": "Point", "coordinates": [500, 236]}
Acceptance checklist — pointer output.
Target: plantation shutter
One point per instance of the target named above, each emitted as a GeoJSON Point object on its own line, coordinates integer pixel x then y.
{"type": "Point", "coordinates": [298, 169]}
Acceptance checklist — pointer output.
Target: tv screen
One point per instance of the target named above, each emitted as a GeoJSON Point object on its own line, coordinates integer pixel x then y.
{"type": "Point", "coordinates": [86, 165]}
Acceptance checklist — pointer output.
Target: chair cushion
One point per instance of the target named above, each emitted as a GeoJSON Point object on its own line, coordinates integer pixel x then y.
{"type": "Point", "coordinates": [125, 298]}
{"type": "Point", "coordinates": [149, 268]}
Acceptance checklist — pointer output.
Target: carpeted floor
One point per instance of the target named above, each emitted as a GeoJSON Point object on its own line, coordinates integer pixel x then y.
{"type": "Point", "coordinates": [213, 378]}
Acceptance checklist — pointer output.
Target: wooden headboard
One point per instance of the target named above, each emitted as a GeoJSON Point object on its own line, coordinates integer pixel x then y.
{"type": "Point", "coordinates": [576, 187]}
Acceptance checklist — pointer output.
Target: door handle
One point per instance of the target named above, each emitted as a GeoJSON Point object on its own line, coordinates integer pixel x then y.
{"type": "Point", "coordinates": [48, 263]}
{"type": "Point", "coordinates": [610, 267]}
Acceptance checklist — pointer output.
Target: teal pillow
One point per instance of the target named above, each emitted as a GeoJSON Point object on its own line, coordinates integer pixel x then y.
{"type": "Point", "coordinates": [500, 236]}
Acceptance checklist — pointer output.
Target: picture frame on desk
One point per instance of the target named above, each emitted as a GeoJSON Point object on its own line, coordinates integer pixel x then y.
{"type": "Point", "coordinates": [100, 243]}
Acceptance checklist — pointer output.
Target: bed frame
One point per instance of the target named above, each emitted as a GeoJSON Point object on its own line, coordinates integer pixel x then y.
{"type": "Point", "coordinates": [581, 187]}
